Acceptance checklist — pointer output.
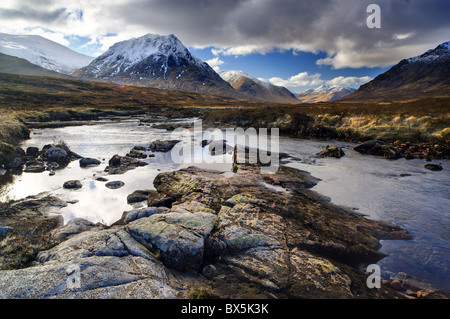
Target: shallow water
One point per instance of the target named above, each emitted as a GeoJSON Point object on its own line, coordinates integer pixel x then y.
{"type": "Point", "coordinates": [371, 185]}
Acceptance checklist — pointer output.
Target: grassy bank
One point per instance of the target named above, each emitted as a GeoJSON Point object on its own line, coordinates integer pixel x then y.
{"type": "Point", "coordinates": [415, 121]}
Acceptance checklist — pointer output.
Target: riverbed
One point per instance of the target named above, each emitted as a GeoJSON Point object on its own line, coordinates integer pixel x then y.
{"type": "Point", "coordinates": [401, 191]}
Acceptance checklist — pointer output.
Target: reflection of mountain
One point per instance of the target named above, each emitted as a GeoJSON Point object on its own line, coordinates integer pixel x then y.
{"type": "Point", "coordinates": [324, 93]}
{"type": "Point", "coordinates": [256, 89]}
{"type": "Point", "coordinates": [43, 52]}
{"type": "Point", "coordinates": [427, 75]}
{"type": "Point", "coordinates": [156, 61]}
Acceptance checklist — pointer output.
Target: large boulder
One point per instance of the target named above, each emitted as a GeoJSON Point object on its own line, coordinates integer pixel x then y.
{"type": "Point", "coordinates": [178, 237]}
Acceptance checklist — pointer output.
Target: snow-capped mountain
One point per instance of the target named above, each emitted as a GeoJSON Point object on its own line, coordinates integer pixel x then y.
{"type": "Point", "coordinates": [257, 89]}
{"type": "Point", "coordinates": [43, 52]}
{"type": "Point", "coordinates": [157, 61]}
{"type": "Point", "coordinates": [324, 93]}
{"type": "Point", "coordinates": [426, 75]}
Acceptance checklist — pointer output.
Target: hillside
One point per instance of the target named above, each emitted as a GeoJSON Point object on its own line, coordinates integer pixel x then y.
{"type": "Point", "coordinates": [424, 76]}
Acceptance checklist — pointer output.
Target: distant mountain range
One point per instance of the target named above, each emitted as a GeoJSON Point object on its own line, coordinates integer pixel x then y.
{"type": "Point", "coordinates": [164, 62]}
{"type": "Point", "coordinates": [257, 89]}
{"type": "Point", "coordinates": [324, 93]}
{"type": "Point", "coordinates": [427, 75]}
{"type": "Point", "coordinates": [43, 52]}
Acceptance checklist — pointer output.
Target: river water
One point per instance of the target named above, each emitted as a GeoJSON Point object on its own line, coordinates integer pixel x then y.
{"type": "Point", "coordinates": [400, 191]}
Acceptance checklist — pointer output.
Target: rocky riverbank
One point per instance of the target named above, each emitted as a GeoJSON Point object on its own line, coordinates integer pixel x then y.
{"type": "Point", "coordinates": [248, 235]}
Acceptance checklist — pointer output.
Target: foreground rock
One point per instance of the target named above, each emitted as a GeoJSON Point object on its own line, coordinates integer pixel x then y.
{"type": "Point", "coordinates": [27, 224]}
{"type": "Point", "coordinates": [255, 241]}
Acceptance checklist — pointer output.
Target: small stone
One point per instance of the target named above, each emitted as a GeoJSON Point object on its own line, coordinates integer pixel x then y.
{"type": "Point", "coordinates": [101, 179]}
{"type": "Point", "coordinates": [75, 184]}
{"type": "Point", "coordinates": [411, 293]}
{"type": "Point", "coordinates": [209, 271]}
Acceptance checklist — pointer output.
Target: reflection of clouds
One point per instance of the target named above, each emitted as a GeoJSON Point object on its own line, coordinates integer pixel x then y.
{"type": "Point", "coordinates": [92, 185]}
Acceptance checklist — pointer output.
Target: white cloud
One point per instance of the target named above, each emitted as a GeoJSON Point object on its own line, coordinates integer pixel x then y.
{"type": "Point", "coordinates": [215, 63]}
{"type": "Point", "coordinates": [54, 36]}
{"type": "Point", "coordinates": [299, 80]}
{"type": "Point", "coordinates": [349, 81]}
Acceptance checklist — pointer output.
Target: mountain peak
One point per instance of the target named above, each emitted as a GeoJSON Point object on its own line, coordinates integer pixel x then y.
{"type": "Point", "coordinates": [442, 50]}
{"type": "Point", "coordinates": [257, 89]}
{"type": "Point", "coordinates": [155, 60]}
{"type": "Point", "coordinates": [232, 76]}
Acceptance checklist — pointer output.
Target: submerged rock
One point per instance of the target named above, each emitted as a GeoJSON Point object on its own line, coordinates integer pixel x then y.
{"type": "Point", "coordinates": [115, 184]}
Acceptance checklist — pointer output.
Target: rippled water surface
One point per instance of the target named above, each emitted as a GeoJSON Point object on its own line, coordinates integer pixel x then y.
{"type": "Point", "coordinates": [401, 191]}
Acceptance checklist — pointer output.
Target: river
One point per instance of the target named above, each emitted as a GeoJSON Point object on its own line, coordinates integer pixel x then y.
{"type": "Point", "coordinates": [401, 191]}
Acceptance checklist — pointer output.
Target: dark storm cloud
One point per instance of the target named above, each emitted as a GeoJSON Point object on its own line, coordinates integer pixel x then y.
{"type": "Point", "coordinates": [32, 14]}
{"type": "Point", "coordinates": [337, 27]}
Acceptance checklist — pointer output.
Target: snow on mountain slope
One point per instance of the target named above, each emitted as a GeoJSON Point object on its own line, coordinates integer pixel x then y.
{"type": "Point", "coordinates": [160, 61]}
{"type": "Point", "coordinates": [43, 52]}
{"type": "Point", "coordinates": [433, 54]}
{"type": "Point", "coordinates": [123, 56]}
{"type": "Point", "coordinates": [324, 93]}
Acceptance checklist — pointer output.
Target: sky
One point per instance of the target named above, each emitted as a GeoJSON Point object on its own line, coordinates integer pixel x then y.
{"type": "Point", "coordinates": [299, 44]}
